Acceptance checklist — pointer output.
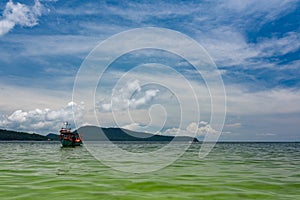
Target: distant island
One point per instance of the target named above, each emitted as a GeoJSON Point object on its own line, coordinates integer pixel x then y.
{"type": "Point", "coordinates": [93, 133]}
{"type": "Point", "coordinates": [9, 135]}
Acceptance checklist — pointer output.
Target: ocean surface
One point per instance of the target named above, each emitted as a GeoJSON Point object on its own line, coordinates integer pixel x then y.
{"type": "Point", "coordinates": [44, 170]}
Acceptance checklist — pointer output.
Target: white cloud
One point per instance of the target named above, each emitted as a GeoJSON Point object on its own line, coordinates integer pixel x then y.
{"type": "Point", "coordinates": [132, 127]}
{"type": "Point", "coordinates": [5, 26]}
{"type": "Point", "coordinates": [18, 116]}
{"type": "Point", "coordinates": [149, 95]}
{"type": "Point", "coordinates": [266, 134]}
{"type": "Point", "coordinates": [222, 32]}
{"type": "Point", "coordinates": [261, 11]}
{"type": "Point", "coordinates": [42, 95]}
{"type": "Point", "coordinates": [274, 101]}
{"type": "Point", "coordinates": [290, 42]}
{"type": "Point", "coordinates": [41, 45]}
{"type": "Point", "coordinates": [229, 47]}
{"type": "Point", "coordinates": [203, 123]}
{"type": "Point", "coordinates": [123, 98]}
{"type": "Point", "coordinates": [233, 125]}
{"type": "Point", "coordinates": [41, 120]}
{"type": "Point", "coordinates": [19, 14]}
{"type": "Point", "coordinates": [192, 130]}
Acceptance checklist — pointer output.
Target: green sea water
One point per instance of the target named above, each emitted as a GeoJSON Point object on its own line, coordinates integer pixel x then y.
{"type": "Point", "coordinates": [39, 170]}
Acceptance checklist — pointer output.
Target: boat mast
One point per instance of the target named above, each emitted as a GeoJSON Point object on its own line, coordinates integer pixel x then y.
{"type": "Point", "coordinates": [67, 125]}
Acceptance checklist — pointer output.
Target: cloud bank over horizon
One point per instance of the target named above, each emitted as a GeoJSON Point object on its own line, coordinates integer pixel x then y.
{"type": "Point", "coordinates": [42, 120]}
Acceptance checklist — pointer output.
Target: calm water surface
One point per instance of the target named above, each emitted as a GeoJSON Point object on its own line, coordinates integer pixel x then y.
{"type": "Point", "coordinates": [38, 170]}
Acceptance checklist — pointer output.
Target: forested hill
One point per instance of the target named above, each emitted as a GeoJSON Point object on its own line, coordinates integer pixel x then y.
{"type": "Point", "coordinates": [15, 135]}
{"type": "Point", "coordinates": [92, 133]}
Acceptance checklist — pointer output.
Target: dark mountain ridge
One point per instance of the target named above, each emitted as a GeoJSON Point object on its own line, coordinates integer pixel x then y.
{"type": "Point", "coordinates": [94, 133]}
{"type": "Point", "coordinates": [9, 135]}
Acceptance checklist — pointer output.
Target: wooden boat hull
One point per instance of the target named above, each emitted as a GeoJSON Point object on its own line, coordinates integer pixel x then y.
{"type": "Point", "coordinates": [68, 143]}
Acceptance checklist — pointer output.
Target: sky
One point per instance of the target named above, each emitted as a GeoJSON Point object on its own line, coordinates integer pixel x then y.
{"type": "Point", "coordinates": [255, 46]}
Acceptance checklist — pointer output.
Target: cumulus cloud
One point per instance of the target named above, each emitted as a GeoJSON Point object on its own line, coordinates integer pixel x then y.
{"type": "Point", "coordinates": [123, 98]}
{"type": "Point", "coordinates": [133, 126]}
{"type": "Point", "coordinates": [192, 130]}
{"type": "Point", "coordinates": [148, 96]}
{"type": "Point", "coordinates": [19, 14]}
{"type": "Point", "coordinates": [41, 120]}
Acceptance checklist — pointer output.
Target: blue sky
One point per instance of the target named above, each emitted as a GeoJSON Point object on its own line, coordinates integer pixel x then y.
{"type": "Point", "coordinates": [255, 45]}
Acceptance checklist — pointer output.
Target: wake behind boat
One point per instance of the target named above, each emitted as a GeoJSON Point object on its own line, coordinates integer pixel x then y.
{"type": "Point", "coordinates": [69, 138]}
